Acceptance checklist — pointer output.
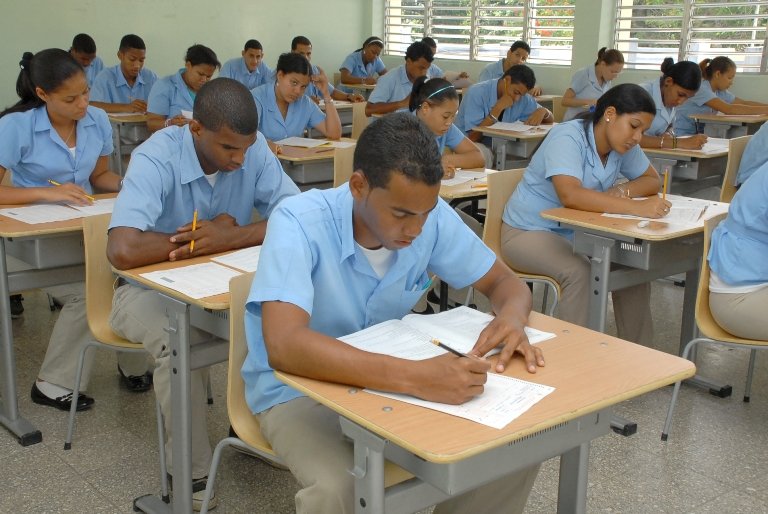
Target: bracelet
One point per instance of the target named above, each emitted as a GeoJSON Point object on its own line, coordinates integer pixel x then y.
{"type": "Point", "coordinates": [167, 122]}
{"type": "Point", "coordinates": [661, 143]}
{"type": "Point", "coordinates": [494, 118]}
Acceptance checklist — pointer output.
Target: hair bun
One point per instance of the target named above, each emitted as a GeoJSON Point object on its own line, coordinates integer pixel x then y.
{"type": "Point", "coordinates": [26, 58]}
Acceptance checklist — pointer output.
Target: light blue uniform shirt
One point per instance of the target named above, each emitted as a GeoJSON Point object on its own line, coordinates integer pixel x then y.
{"type": "Point", "coordinates": [740, 243]}
{"type": "Point", "coordinates": [493, 71]}
{"type": "Point", "coordinates": [586, 85]}
{"type": "Point", "coordinates": [92, 70]}
{"type": "Point", "coordinates": [392, 87]}
{"type": "Point", "coordinates": [665, 116]}
{"type": "Point", "coordinates": [451, 139]}
{"type": "Point", "coordinates": [435, 71]}
{"type": "Point", "coordinates": [111, 87]}
{"type": "Point", "coordinates": [354, 64]}
{"type": "Point", "coordinates": [165, 184]}
{"type": "Point", "coordinates": [236, 69]}
{"type": "Point", "coordinates": [34, 151]}
{"type": "Point", "coordinates": [313, 90]}
{"type": "Point", "coordinates": [302, 114]}
{"type": "Point", "coordinates": [755, 155]}
{"type": "Point", "coordinates": [684, 124]}
{"type": "Point", "coordinates": [310, 259]}
{"type": "Point", "coordinates": [567, 150]}
{"type": "Point", "coordinates": [170, 95]}
{"type": "Point", "coordinates": [480, 99]}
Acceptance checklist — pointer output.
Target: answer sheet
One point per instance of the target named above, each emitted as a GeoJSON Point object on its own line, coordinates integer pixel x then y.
{"type": "Point", "coordinates": [42, 213]}
{"type": "Point", "coordinates": [463, 176]}
{"type": "Point", "coordinates": [102, 206]}
{"type": "Point", "coordinates": [195, 281]}
{"type": "Point", "coordinates": [246, 259]}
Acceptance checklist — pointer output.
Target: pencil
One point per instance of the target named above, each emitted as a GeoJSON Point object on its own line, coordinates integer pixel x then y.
{"type": "Point", "coordinates": [478, 186]}
{"type": "Point", "coordinates": [437, 342]}
{"type": "Point", "coordinates": [194, 227]}
{"type": "Point", "coordinates": [664, 189]}
{"type": "Point", "coordinates": [325, 150]}
{"type": "Point", "coordinates": [54, 183]}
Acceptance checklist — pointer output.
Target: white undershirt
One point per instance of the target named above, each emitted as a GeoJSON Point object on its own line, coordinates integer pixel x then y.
{"type": "Point", "coordinates": [212, 178]}
{"type": "Point", "coordinates": [718, 285]}
{"type": "Point", "coordinates": [72, 151]}
{"type": "Point", "coordinates": [379, 259]}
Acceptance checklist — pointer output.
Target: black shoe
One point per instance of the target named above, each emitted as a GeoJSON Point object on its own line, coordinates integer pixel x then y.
{"type": "Point", "coordinates": [84, 402]}
{"type": "Point", "coordinates": [17, 308]}
{"type": "Point", "coordinates": [136, 383]}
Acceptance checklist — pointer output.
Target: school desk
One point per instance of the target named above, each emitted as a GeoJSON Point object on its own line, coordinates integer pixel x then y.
{"type": "Point", "coordinates": [690, 170]}
{"type": "Point", "coordinates": [53, 255]}
{"type": "Point", "coordinates": [645, 254]}
{"type": "Point", "coordinates": [309, 167]}
{"type": "Point", "coordinates": [521, 144]}
{"type": "Point", "coordinates": [730, 125]}
{"type": "Point", "coordinates": [128, 132]}
{"type": "Point", "coordinates": [449, 455]}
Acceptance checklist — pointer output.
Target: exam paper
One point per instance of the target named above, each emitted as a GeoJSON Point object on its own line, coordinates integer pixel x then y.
{"type": "Point", "coordinates": [195, 281]}
{"type": "Point", "coordinates": [102, 206]}
{"type": "Point", "coordinates": [186, 114]}
{"type": "Point", "coordinates": [304, 142]}
{"type": "Point", "coordinates": [715, 145]}
{"type": "Point", "coordinates": [519, 126]}
{"type": "Point", "coordinates": [246, 259]}
{"type": "Point", "coordinates": [42, 213]}
{"type": "Point", "coordinates": [463, 176]}
{"type": "Point", "coordinates": [685, 211]}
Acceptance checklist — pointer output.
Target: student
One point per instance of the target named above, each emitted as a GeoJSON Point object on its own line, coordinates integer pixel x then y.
{"type": "Point", "coordinates": [338, 260]}
{"type": "Point", "coordinates": [678, 83]}
{"type": "Point", "coordinates": [303, 46]}
{"type": "Point", "coordinates": [250, 69]}
{"type": "Point", "coordinates": [713, 96]}
{"type": "Point", "coordinates": [576, 166]}
{"type": "Point", "coordinates": [505, 99]}
{"type": "Point", "coordinates": [364, 65]}
{"type": "Point", "coordinates": [754, 155]}
{"type": "Point", "coordinates": [393, 89]}
{"type": "Point", "coordinates": [435, 102]}
{"type": "Point", "coordinates": [738, 283]}
{"type": "Point", "coordinates": [284, 109]}
{"type": "Point", "coordinates": [83, 49]}
{"type": "Point", "coordinates": [125, 87]}
{"type": "Point", "coordinates": [220, 167]}
{"type": "Point", "coordinates": [517, 54]}
{"type": "Point", "coordinates": [52, 134]}
{"type": "Point", "coordinates": [588, 84]}
{"type": "Point", "coordinates": [458, 79]}
{"type": "Point", "coordinates": [176, 93]}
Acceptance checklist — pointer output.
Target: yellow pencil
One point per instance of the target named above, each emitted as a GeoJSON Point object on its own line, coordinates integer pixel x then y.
{"type": "Point", "coordinates": [194, 227]}
{"type": "Point", "coordinates": [54, 183]}
{"type": "Point", "coordinates": [664, 189]}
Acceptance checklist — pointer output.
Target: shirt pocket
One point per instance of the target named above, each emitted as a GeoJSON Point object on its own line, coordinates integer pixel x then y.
{"type": "Point", "coordinates": [414, 291]}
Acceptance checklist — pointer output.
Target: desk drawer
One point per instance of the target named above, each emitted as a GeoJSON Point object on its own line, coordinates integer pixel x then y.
{"type": "Point", "coordinates": [48, 251]}
{"type": "Point", "coordinates": [309, 173]}
{"type": "Point", "coordinates": [642, 254]}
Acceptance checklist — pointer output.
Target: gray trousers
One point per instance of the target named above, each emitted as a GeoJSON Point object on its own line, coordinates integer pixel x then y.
{"type": "Point", "coordinates": [743, 315]}
{"type": "Point", "coordinates": [138, 315]}
{"type": "Point", "coordinates": [69, 335]}
{"type": "Point", "coordinates": [546, 253]}
{"type": "Point", "coordinates": [307, 436]}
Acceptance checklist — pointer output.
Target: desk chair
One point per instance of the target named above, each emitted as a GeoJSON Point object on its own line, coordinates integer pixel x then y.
{"type": "Point", "coordinates": [710, 331]}
{"type": "Point", "coordinates": [342, 165]}
{"type": "Point", "coordinates": [558, 110]}
{"type": "Point", "coordinates": [243, 422]}
{"type": "Point", "coordinates": [99, 281]}
{"type": "Point", "coordinates": [501, 185]}
{"type": "Point", "coordinates": [735, 150]}
{"type": "Point", "coordinates": [359, 119]}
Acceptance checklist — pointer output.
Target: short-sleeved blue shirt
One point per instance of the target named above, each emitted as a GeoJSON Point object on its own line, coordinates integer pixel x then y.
{"type": "Point", "coordinates": [34, 151]}
{"type": "Point", "coordinates": [755, 155]}
{"type": "Point", "coordinates": [697, 104]}
{"type": "Point", "coordinates": [435, 71]}
{"type": "Point", "coordinates": [165, 184]}
{"type": "Point", "coordinates": [392, 87]}
{"type": "Point", "coordinates": [302, 114]}
{"type": "Point", "coordinates": [480, 99]}
{"type": "Point", "coordinates": [354, 64]}
{"type": "Point", "coordinates": [585, 85]}
{"type": "Point", "coordinates": [310, 259]}
{"type": "Point", "coordinates": [313, 90]}
{"type": "Point", "coordinates": [493, 71]}
{"type": "Point", "coordinates": [92, 70]}
{"type": "Point", "coordinates": [236, 69]}
{"type": "Point", "coordinates": [569, 150]}
{"type": "Point", "coordinates": [665, 116]}
{"type": "Point", "coordinates": [111, 87]}
{"type": "Point", "coordinates": [170, 95]}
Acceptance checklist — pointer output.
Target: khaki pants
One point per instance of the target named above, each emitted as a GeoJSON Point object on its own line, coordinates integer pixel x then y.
{"type": "Point", "coordinates": [546, 253]}
{"type": "Point", "coordinates": [138, 315]}
{"type": "Point", "coordinates": [69, 335]}
{"type": "Point", "coordinates": [307, 436]}
{"type": "Point", "coordinates": [743, 315]}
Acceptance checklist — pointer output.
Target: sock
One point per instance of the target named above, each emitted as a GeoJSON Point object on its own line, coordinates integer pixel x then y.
{"type": "Point", "coordinates": [52, 391]}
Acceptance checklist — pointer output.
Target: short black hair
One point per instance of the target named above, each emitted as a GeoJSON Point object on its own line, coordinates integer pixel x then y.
{"type": "Point", "coordinates": [419, 50]}
{"type": "Point", "coordinates": [300, 40]}
{"type": "Point", "coordinates": [201, 54]}
{"type": "Point", "coordinates": [520, 44]}
{"type": "Point", "coordinates": [291, 62]}
{"type": "Point", "coordinates": [685, 74]}
{"type": "Point", "coordinates": [253, 44]}
{"type": "Point", "coordinates": [132, 41]}
{"type": "Point", "coordinates": [429, 41]}
{"type": "Point", "coordinates": [521, 74]}
{"type": "Point", "coordinates": [84, 43]}
{"type": "Point", "coordinates": [226, 102]}
{"type": "Point", "coordinates": [401, 143]}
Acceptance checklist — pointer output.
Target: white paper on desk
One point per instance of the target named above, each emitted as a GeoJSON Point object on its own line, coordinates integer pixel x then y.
{"type": "Point", "coordinates": [463, 176]}
{"type": "Point", "coordinates": [195, 281]}
{"type": "Point", "coordinates": [340, 144]}
{"type": "Point", "coordinates": [503, 400]}
{"type": "Point", "coordinates": [519, 126]}
{"type": "Point", "coordinates": [41, 213]}
{"type": "Point", "coordinates": [685, 212]}
{"type": "Point", "coordinates": [246, 259]}
{"type": "Point", "coordinates": [186, 114]}
{"type": "Point", "coordinates": [337, 103]}
{"type": "Point", "coordinates": [122, 114]}
{"type": "Point", "coordinates": [101, 206]}
{"type": "Point", "coordinates": [715, 145]}
{"type": "Point", "coordinates": [303, 142]}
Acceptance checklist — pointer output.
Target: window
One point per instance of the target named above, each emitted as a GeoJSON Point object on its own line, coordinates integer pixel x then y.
{"type": "Point", "coordinates": [647, 31]}
{"type": "Point", "coordinates": [483, 29]}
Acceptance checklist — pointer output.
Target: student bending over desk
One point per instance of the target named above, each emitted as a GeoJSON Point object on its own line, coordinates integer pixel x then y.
{"type": "Point", "coordinates": [219, 167]}
{"type": "Point", "coordinates": [303, 46]}
{"type": "Point", "coordinates": [576, 166]}
{"type": "Point", "coordinates": [364, 65]}
{"type": "Point", "coordinates": [517, 54]}
{"type": "Point", "coordinates": [392, 90]}
{"type": "Point", "coordinates": [83, 49]}
{"type": "Point", "coordinates": [250, 69]}
{"type": "Point", "coordinates": [52, 135]}
{"type": "Point", "coordinates": [590, 83]}
{"type": "Point", "coordinates": [754, 156]}
{"type": "Point", "coordinates": [738, 283]}
{"type": "Point", "coordinates": [339, 260]}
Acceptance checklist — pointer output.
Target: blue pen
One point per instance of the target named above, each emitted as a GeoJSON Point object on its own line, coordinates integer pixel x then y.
{"type": "Point", "coordinates": [429, 283]}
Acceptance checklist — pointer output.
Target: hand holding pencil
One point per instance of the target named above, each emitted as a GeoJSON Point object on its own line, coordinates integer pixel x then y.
{"type": "Point", "coordinates": [69, 193]}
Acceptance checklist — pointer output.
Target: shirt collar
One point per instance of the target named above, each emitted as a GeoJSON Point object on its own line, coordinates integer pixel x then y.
{"type": "Point", "coordinates": [43, 123]}
{"type": "Point", "coordinates": [592, 76]}
{"type": "Point", "coordinates": [190, 169]}
{"type": "Point", "coordinates": [343, 205]}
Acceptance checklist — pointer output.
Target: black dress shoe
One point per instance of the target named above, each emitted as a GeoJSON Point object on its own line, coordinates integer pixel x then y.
{"type": "Point", "coordinates": [17, 308]}
{"type": "Point", "coordinates": [135, 383]}
{"type": "Point", "coordinates": [84, 402]}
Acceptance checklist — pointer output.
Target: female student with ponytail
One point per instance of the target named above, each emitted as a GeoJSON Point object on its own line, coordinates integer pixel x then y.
{"type": "Point", "coordinates": [713, 96]}
{"type": "Point", "coordinates": [364, 64]}
{"type": "Point", "coordinates": [435, 102]}
{"type": "Point", "coordinates": [53, 135]}
{"type": "Point", "coordinates": [588, 84]}
{"type": "Point", "coordinates": [679, 82]}
{"type": "Point", "coordinates": [577, 166]}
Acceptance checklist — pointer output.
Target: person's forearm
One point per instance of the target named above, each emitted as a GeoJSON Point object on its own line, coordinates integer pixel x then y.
{"type": "Point", "coordinates": [248, 235]}
{"type": "Point", "coordinates": [129, 248]}
{"type": "Point", "coordinates": [155, 122]}
{"type": "Point", "coordinates": [108, 182]}
{"type": "Point", "coordinates": [468, 160]}
{"type": "Point", "coordinates": [383, 107]}
{"type": "Point", "coordinates": [577, 102]}
{"type": "Point", "coordinates": [332, 121]}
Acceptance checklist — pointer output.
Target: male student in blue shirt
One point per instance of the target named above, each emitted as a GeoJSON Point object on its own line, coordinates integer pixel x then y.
{"type": "Point", "coordinates": [393, 90]}
{"type": "Point", "coordinates": [83, 49]}
{"type": "Point", "coordinates": [125, 87]}
{"type": "Point", "coordinates": [250, 69]}
{"type": "Point", "coordinates": [303, 46]}
{"type": "Point", "coordinates": [340, 260]}
{"type": "Point", "coordinates": [219, 166]}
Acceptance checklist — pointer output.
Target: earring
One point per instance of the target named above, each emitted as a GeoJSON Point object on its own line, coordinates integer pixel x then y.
{"type": "Point", "coordinates": [607, 120]}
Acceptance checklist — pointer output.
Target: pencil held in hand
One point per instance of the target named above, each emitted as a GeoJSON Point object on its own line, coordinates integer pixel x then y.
{"type": "Point", "coordinates": [194, 227]}
{"type": "Point", "coordinates": [445, 347]}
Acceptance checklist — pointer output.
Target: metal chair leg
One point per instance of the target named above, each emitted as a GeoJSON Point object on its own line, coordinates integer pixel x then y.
{"type": "Point", "coordinates": [750, 372]}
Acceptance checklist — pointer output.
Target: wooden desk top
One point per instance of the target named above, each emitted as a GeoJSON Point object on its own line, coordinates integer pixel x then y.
{"type": "Point", "coordinates": [655, 231]}
{"type": "Point", "coordinates": [589, 370]}
{"type": "Point", "coordinates": [731, 118]}
{"type": "Point", "coordinates": [300, 154]}
{"type": "Point", "coordinates": [685, 153]}
{"type": "Point", "coordinates": [367, 87]}
{"type": "Point", "coordinates": [128, 118]}
{"type": "Point", "coordinates": [341, 105]}
{"type": "Point", "coordinates": [511, 135]}
{"type": "Point", "coordinates": [464, 190]}
{"type": "Point", "coordinates": [10, 227]}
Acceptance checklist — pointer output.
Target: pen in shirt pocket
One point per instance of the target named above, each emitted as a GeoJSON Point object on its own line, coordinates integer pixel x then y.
{"type": "Point", "coordinates": [429, 283]}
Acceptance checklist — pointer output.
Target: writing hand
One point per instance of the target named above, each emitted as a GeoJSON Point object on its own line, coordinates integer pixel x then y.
{"type": "Point", "coordinates": [537, 117]}
{"type": "Point", "coordinates": [512, 335]}
{"type": "Point", "coordinates": [450, 379]}
{"type": "Point", "coordinates": [693, 142]}
{"type": "Point", "coordinates": [356, 98]}
{"type": "Point", "coordinates": [651, 207]}
{"type": "Point", "coordinates": [69, 193]}
{"type": "Point", "coordinates": [210, 237]}
{"type": "Point", "coordinates": [535, 91]}
{"type": "Point", "coordinates": [138, 105]}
